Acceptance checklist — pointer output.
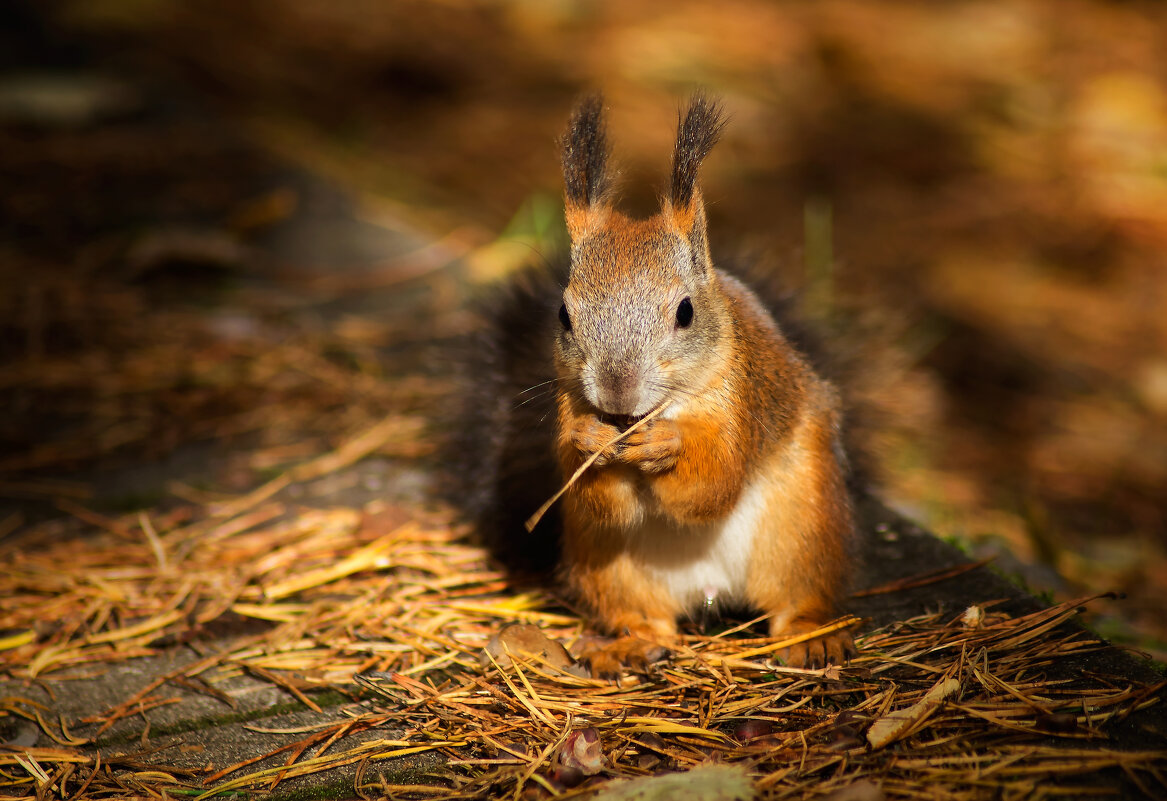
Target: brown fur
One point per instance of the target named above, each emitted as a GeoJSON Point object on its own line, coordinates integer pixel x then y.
{"type": "Point", "coordinates": [750, 416]}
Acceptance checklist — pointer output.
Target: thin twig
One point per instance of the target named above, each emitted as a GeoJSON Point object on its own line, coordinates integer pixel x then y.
{"type": "Point", "coordinates": [534, 519]}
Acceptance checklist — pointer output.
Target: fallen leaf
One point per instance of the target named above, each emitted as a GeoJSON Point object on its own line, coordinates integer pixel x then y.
{"type": "Point", "coordinates": [862, 790]}
{"type": "Point", "coordinates": [706, 783]}
{"type": "Point", "coordinates": [524, 639]}
{"type": "Point", "coordinates": [894, 725]}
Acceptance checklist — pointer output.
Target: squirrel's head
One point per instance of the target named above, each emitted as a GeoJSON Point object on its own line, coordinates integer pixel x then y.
{"type": "Point", "coordinates": [641, 315]}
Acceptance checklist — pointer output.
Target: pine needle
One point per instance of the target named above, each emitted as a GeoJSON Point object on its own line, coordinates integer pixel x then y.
{"type": "Point", "coordinates": [534, 519]}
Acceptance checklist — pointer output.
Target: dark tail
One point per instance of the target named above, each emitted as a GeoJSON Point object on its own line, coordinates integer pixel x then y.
{"type": "Point", "coordinates": [499, 452]}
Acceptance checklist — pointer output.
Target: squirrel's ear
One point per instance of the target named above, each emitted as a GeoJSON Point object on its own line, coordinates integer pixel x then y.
{"type": "Point", "coordinates": [585, 167]}
{"type": "Point", "coordinates": [698, 130]}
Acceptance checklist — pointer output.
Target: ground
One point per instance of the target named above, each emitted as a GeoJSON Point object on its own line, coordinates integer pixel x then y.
{"type": "Point", "coordinates": [223, 361]}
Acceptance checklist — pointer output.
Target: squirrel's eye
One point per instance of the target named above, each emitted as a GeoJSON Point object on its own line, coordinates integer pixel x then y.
{"type": "Point", "coordinates": [564, 317]}
{"type": "Point", "coordinates": [684, 313]}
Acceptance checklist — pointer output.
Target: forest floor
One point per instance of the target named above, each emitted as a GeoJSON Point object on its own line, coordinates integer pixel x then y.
{"type": "Point", "coordinates": [225, 568]}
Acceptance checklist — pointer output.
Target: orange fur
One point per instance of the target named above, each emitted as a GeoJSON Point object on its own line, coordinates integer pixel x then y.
{"type": "Point", "coordinates": [800, 557]}
{"type": "Point", "coordinates": [740, 482]}
{"type": "Point", "coordinates": [581, 220]}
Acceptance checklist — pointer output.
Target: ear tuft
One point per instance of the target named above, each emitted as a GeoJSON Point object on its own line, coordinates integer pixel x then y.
{"type": "Point", "coordinates": [585, 156]}
{"type": "Point", "coordinates": [697, 132]}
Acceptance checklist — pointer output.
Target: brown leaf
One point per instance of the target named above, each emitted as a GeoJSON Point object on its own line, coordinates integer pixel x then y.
{"type": "Point", "coordinates": [524, 639]}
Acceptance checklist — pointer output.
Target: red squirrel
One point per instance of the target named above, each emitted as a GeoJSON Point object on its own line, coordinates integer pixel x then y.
{"type": "Point", "coordinates": [735, 493]}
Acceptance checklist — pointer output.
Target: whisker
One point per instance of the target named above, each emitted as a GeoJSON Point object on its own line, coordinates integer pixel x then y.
{"type": "Point", "coordinates": [534, 387]}
{"type": "Point", "coordinates": [532, 399]}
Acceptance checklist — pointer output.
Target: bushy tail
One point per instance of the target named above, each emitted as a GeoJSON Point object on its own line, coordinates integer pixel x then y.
{"type": "Point", "coordinates": [499, 453]}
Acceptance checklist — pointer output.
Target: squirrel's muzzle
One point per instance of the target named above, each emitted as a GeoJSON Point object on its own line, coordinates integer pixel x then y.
{"type": "Point", "coordinates": [620, 393]}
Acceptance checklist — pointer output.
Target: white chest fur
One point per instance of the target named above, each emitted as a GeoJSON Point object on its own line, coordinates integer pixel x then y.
{"type": "Point", "coordinates": [696, 563]}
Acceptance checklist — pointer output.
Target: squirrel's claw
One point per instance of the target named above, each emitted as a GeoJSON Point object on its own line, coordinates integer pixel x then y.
{"type": "Point", "coordinates": [590, 435]}
{"type": "Point", "coordinates": [609, 660]}
{"type": "Point", "coordinates": [653, 448]}
{"type": "Point", "coordinates": [836, 648]}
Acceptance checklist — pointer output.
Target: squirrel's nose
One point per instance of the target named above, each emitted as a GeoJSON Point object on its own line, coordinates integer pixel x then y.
{"type": "Point", "coordinates": [619, 390]}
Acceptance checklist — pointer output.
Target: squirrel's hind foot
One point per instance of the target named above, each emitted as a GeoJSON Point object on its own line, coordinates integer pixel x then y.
{"type": "Point", "coordinates": [836, 648]}
{"type": "Point", "coordinates": [609, 659]}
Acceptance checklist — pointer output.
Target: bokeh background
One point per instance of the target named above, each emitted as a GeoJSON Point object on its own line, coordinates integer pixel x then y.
{"type": "Point", "coordinates": [971, 195]}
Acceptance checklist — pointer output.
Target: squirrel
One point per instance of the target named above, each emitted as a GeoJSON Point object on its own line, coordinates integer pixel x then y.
{"type": "Point", "coordinates": [734, 494]}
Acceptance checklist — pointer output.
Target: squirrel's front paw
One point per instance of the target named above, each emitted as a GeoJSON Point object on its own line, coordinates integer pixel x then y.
{"type": "Point", "coordinates": [589, 435]}
{"type": "Point", "coordinates": [654, 447]}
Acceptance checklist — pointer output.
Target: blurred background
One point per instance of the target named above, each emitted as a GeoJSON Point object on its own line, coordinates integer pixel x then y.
{"type": "Point", "coordinates": [972, 196]}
